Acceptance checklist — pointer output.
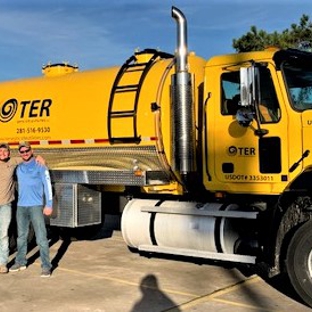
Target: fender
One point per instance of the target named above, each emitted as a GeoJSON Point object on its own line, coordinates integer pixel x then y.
{"type": "Point", "coordinates": [293, 209]}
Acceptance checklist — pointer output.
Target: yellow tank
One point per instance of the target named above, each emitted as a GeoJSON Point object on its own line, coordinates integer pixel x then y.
{"type": "Point", "coordinates": [112, 119]}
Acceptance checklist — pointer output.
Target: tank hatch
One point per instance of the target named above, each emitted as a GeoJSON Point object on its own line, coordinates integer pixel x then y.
{"type": "Point", "coordinates": [58, 69]}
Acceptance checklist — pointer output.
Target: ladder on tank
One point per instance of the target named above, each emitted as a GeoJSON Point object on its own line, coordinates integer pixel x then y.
{"type": "Point", "coordinates": [134, 73]}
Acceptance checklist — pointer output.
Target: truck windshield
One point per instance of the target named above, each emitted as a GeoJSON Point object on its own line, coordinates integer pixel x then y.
{"type": "Point", "coordinates": [299, 83]}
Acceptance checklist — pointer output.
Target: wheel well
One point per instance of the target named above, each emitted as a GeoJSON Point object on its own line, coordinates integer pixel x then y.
{"type": "Point", "coordinates": [288, 219]}
{"type": "Point", "coordinates": [293, 209]}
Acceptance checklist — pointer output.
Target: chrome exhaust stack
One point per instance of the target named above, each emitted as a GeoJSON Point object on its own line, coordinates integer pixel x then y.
{"type": "Point", "coordinates": [181, 53]}
{"type": "Point", "coordinates": [182, 108]}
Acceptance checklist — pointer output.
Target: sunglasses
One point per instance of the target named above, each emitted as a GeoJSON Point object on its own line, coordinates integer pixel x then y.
{"type": "Point", "coordinates": [25, 151]}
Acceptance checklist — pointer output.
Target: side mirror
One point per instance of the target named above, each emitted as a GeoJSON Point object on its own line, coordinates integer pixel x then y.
{"type": "Point", "coordinates": [249, 85]}
{"type": "Point", "coordinates": [244, 116]}
{"type": "Point", "coordinates": [246, 82]}
{"type": "Point", "coordinates": [250, 98]}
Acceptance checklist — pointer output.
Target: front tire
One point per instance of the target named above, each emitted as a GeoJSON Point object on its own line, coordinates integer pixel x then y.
{"type": "Point", "coordinates": [299, 262]}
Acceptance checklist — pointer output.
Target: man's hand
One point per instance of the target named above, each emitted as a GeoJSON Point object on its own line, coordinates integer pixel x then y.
{"type": "Point", "coordinates": [40, 160]}
{"type": "Point", "coordinates": [47, 211]}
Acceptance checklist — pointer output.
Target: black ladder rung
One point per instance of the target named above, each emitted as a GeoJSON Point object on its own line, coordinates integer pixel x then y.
{"type": "Point", "coordinates": [133, 70]}
{"type": "Point", "coordinates": [125, 140]}
{"type": "Point", "coordinates": [121, 114]}
{"type": "Point", "coordinates": [137, 64]}
{"type": "Point", "coordinates": [127, 88]}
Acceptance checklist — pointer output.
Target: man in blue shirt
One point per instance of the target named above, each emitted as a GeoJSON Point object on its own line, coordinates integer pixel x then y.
{"type": "Point", "coordinates": [34, 201]}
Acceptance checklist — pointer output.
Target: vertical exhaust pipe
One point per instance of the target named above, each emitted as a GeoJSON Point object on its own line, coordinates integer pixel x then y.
{"type": "Point", "coordinates": [181, 53]}
{"type": "Point", "coordinates": [182, 108]}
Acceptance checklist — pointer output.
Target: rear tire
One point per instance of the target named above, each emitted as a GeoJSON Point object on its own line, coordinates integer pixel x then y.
{"type": "Point", "coordinates": [299, 262]}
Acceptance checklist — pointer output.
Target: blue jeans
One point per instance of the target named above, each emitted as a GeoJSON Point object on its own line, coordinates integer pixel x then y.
{"type": "Point", "coordinates": [5, 219]}
{"type": "Point", "coordinates": [24, 216]}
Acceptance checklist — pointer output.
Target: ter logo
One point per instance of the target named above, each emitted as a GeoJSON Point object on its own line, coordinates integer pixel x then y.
{"type": "Point", "coordinates": [8, 110]}
{"type": "Point", "coordinates": [27, 109]}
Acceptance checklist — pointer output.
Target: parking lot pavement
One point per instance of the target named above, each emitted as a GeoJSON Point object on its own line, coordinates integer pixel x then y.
{"type": "Point", "coordinates": [103, 275]}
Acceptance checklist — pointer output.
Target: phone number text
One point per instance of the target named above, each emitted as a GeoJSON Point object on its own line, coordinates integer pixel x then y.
{"type": "Point", "coordinates": [33, 130]}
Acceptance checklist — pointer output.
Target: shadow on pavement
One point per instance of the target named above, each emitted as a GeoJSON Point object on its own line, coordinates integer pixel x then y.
{"type": "Point", "coordinates": [60, 253]}
{"type": "Point", "coordinates": [280, 282]}
{"type": "Point", "coordinates": [153, 299]}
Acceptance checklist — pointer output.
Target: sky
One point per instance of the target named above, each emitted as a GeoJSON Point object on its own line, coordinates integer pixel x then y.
{"type": "Point", "coordinates": [101, 33]}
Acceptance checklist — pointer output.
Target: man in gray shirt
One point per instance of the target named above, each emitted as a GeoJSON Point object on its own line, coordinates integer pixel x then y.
{"type": "Point", "coordinates": [7, 190]}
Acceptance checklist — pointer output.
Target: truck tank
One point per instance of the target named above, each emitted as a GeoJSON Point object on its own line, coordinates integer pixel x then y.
{"type": "Point", "coordinates": [115, 119]}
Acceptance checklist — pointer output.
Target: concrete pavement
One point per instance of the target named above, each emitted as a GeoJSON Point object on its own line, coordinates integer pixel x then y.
{"type": "Point", "coordinates": [103, 275]}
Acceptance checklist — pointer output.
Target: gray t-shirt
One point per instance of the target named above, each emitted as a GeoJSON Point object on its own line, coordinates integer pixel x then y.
{"type": "Point", "coordinates": [7, 183]}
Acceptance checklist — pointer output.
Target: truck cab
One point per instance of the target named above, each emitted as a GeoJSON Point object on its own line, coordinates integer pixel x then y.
{"type": "Point", "coordinates": [252, 147]}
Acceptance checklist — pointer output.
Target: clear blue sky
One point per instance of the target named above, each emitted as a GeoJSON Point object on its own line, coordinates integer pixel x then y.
{"type": "Point", "coordinates": [100, 33]}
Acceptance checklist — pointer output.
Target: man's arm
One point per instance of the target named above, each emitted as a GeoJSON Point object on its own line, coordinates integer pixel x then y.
{"type": "Point", "coordinates": [16, 160]}
{"type": "Point", "coordinates": [39, 159]}
{"type": "Point", "coordinates": [47, 186]}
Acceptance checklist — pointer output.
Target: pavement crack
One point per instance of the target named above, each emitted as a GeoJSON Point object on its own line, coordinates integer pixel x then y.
{"type": "Point", "coordinates": [213, 295]}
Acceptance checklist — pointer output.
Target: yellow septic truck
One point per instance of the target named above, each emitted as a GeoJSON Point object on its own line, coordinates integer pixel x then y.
{"type": "Point", "coordinates": [203, 158]}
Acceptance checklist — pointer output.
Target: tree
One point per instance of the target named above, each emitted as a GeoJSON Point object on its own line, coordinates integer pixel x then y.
{"type": "Point", "coordinates": [298, 36]}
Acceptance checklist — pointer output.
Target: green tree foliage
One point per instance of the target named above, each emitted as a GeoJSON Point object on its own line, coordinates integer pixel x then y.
{"type": "Point", "coordinates": [297, 36]}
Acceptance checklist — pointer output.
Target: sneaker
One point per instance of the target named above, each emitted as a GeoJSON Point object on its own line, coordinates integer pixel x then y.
{"type": "Point", "coordinates": [17, 267]}
{"type": "Point", "coordinates": [45, 273]}
{"type": "Point", "coordinates": [3, 269]}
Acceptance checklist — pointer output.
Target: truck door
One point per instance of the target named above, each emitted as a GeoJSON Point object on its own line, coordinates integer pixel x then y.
{"type": "Point", "coordinates": [243, 161]}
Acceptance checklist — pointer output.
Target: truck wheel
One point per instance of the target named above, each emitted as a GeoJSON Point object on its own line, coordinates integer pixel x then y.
{"type": "Point", "coordinates": [299, 262]}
